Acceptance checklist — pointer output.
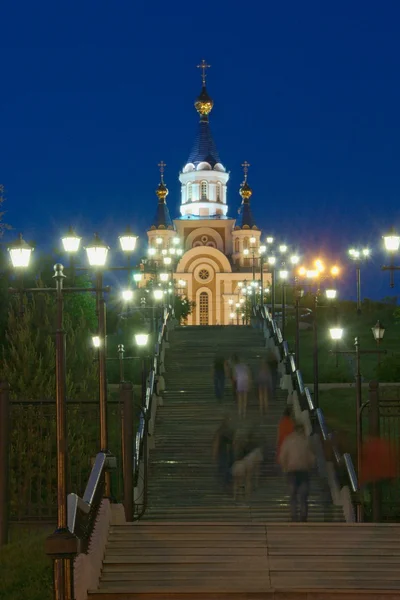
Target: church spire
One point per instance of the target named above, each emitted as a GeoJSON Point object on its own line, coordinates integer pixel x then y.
{"type": "Point", "coordinates": [162, 219]}
{"type": "Point", "coordinates": [204, 103]}
{"type": "Point", "coordinates": [245, 219]}
{"type": "Point", "coordinates": [204, 149]}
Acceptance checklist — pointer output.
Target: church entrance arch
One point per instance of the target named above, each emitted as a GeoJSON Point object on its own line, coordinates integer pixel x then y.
{"type": "Point", "coordinates": [203, 302]}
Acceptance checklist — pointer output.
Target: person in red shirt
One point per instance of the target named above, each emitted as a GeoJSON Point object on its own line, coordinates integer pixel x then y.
{"type": "Point", "coordinates": [378, 461]}
{"type": "Point", "coordinates": [286, 427]}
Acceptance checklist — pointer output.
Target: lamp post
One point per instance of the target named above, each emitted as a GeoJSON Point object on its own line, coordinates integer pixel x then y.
{"type": "Point", "coordinates": [298, 293]}
{"type": "Point", "coordinates": [97, 253]}
{"type": "Point", "coordinates": [392, 244]}
{"type": "Point", "coordinates": [141, 340]}
{"type": "Point", "coordinates": [283, 275]}
{"type": "Point", "coordinates": [272, 262]}
{"type": "Point", "coordinates": [62, 544]}
{"type": "Point", "coordinates": [337, 334]}
{"type": "Point", "coordinates": [316, 275]}
{"type": "Point", "coordinates": [158, 296]}
{"type": "Point", "coordinates": [358, 255]}
{"type": "Point", "coordinates": [263, 250]}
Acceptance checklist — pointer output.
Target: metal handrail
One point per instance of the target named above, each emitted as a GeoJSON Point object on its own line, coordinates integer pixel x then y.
{"type": "Point", "coordinates": [305, 397]}
{"type": "Point", "coordinates": [82, 512]}
{"type": "Point", "coordinates": [140, 444]}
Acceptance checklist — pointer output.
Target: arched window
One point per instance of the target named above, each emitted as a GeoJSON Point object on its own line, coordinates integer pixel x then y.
{"type": "Point", "coordinates": [218, 192]}
{"type": "Point", "coordinates": [237, 245]}
{"type": "Point", "coordinates": [203, 190]}
{"type": "Point", "coordinates": [203, 304]}
{"type": "Point", "coordinates": [245, 243]}
{"type": "Point", "coordinates": [189, 191]}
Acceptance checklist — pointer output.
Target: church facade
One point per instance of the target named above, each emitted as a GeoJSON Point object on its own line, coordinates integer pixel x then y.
{"type": "Point", "coordinates": [221, 254]}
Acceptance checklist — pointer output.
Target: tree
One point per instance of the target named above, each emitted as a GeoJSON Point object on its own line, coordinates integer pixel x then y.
{"type": "Point", "coordinates": [29, 353]}
{"type": "Point", "coordinates": [3, 226]}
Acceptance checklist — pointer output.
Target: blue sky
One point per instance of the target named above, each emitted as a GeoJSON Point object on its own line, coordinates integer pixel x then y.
{"type": "Point", "coordinates": [94, 95]}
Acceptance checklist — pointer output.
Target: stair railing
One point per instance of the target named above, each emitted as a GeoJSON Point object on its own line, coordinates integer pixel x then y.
{"type": "Point", "coordinates": [312, 418]}
{"type": "Point", "coordinates": [144, 438]}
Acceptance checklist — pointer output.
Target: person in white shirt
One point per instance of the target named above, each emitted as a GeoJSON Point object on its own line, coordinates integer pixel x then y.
{"type": "Point", "coordinates": [297, 459]}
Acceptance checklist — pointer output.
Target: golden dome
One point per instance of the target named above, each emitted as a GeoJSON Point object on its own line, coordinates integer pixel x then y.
{"type": "Point", "coordinates": [204, 103]}
{"type": "Point", "coordinates": [162, 191]}
{"type": "Point", "coordinates": [245, 190]}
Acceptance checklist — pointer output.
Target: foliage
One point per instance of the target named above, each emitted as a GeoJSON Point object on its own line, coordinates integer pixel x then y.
{"type": "Point", "coordinates": [33, 475]}
{"type": "Point", "coordinates": [3, 226]}
{"type": "Point", "coordinates": [25, 570]}
{"type": "Point", "coordinates": [389, 368]}
{"type": "Point", "coordinates": [29, 354]}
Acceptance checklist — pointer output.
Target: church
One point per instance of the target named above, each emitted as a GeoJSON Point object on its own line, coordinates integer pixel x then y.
{"type": "Point", "coordinates": [221, 254]}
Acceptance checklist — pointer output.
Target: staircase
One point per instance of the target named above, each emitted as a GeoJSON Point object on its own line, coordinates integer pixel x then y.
{"type": "Point", "coordinates": [197, 542]}
{"type": "Point", "coordinates": [183, 483]}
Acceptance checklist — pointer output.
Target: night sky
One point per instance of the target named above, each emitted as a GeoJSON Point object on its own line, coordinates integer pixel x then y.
{"type": "Point", "coordinates": [95, 94]}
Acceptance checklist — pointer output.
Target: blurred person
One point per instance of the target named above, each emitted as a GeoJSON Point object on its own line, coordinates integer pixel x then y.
{"type": "Point", "coordinates": [223, 451]}
{"type": "Point", "coordinates": [273, 367]}
{"type": "Point", "coordinates": [242, 378]}
{"type": "Point", "coordinates": [219, 370]}
{"type": "Point", "coordinates": [378, 461]}
{"type": "Point", "coordinates": [286, 426]}
{"type": "Point", "coordinates": [233, 361]}
{"type": "Point", "coordinates": [297, 459]}
{"type": "Point", "coordinates": [265, 386]}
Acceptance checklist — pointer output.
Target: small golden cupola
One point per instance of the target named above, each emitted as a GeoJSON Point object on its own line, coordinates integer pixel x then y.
{"type": "Point", "coordinates": [245, 219]}
{"type": "Point", "coordinates": [245, 190]}
{"type": "Point", "coordinates": [162, 219]}
{"type": "Point", "coordinates": [162, 190]}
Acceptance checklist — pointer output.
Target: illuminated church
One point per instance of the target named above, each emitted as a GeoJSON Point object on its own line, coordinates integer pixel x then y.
{"type": "Point", "coordinates": [218, 250]}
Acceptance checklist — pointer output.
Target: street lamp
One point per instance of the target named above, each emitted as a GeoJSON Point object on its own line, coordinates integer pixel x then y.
{"type": "Point", "coordinates": [71, 241]}
{"type": "Point", "coordinates": [331, 294]}
{"type": "Point", "coordinates": [158, 294]}
{"type": "Point", "coordinates": [97, 252]}
{"type": "Point", "coordinates": [336, 333]}
{"type": "Point", "coordinates": [358, 255]}
{"type": "Point", "coordinates": [392, 244]}
{"type": "Point", "coordinates": [269, 240]}
{"type": "Point", "coordinates": [232, 316]}
{"type": "Point", "coordinates": [128, 241]}
{"type": "Point", "coordinates": [96, 341]}
{"type": "Point", "coordinates": [378, 331]}
{"type": "Point", "coordinates": [141, 339]}
{"type": "Point", "coordinates": [137, 277]}
{"type": "Point", "coordinates": [20, 253]}
{"type": "Point", "coordinates": [127, 295]}
{"type": "Point", "coordinates": [164, 277]}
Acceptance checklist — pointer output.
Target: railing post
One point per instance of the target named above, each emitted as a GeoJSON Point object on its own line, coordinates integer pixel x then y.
{"type": "Point", "coordinates": [4, 460]}
{"type": "Point", "coordinates": [126, 394]}
{"type": "Point", "coordinates": [374, 430]}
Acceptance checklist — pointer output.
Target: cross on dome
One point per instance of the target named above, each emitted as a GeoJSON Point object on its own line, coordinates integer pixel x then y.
{"type": "Point", "coordinates": [245, 166]}
{"type": "Point", "coordinates": [203, 66]}
{"type": "Point", "coordinates": [162, 166]}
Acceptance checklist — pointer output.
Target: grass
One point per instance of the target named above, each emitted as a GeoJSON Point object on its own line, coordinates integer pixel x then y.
{"type": "Point", "coordinates": [25, 570]}
{"type": "Point", "coordinates": [341, 369]}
